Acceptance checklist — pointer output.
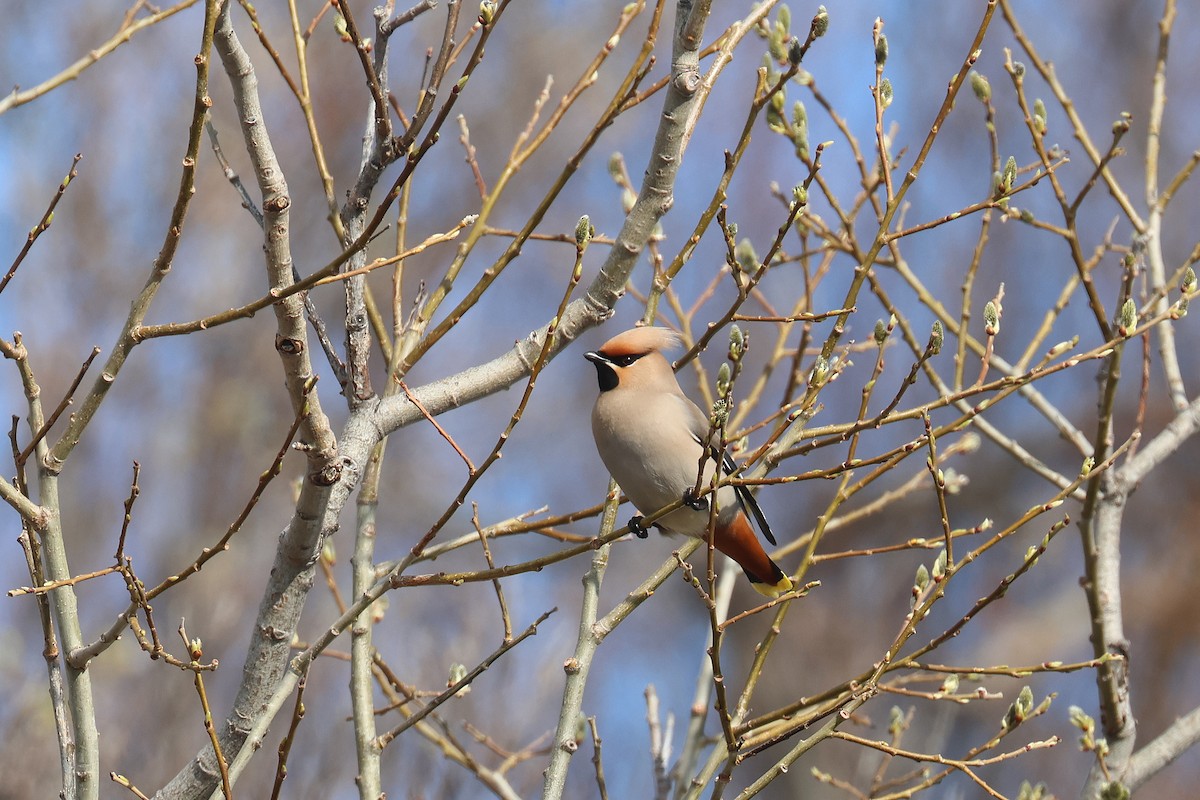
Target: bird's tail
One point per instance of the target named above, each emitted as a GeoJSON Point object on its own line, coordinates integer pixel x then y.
{"type": "Point", "coordinates": [738, 541]}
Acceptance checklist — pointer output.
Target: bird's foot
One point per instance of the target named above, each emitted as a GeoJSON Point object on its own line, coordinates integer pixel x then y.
{"type": "Point", "coordinates": [691, 501]}
{"type": "Point", "coordinates": [637, 528]}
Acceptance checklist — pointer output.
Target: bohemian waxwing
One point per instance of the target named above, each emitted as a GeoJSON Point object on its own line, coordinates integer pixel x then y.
{"type": "Point", "coordinates": [649, 436]}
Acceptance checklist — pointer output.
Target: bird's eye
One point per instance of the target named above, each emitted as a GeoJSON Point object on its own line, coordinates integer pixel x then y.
{"type": "Point", "coordinates": [626, 360]}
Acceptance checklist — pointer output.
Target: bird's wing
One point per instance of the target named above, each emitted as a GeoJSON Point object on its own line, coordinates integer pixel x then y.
{"type": "Point", "coordinates": [749, 503]}
{"type": "Point", "coordinates": [700, 427]}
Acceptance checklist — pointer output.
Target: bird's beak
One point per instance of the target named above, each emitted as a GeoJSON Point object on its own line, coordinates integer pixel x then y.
{"type": "Point", "coordinates": [596, 358]}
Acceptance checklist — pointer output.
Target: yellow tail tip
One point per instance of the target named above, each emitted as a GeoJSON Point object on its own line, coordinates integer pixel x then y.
{"type": "Point", "coordinates": [773, 590]}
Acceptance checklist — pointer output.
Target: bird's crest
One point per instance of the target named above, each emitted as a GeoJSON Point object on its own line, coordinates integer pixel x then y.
{"type": "Point", "coordinates": [639, 341]}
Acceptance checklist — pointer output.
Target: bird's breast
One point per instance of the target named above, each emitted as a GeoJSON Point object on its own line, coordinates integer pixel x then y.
{"type": "Point", "coordinates": [655, 462]}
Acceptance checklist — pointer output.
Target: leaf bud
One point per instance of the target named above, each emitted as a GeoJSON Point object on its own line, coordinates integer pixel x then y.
{"type": "Point", "coordinates": [745, 255]}
{"type": "Point", "coordinates": [820, 23]}
{"type": "Point", "coordinates": [1009, 176]}
{"type": "Point", "coordinates": [794, 52]}
{"type": "Point", "coordinates": [886, 95]}
{"type": "Point", "coordinates": [1039, 116]}
{"type": "Point", "coordinates": [881, 333]}
{"type": "Point", "coordinates": [737, 343]}
{"type": "Point", "coordinates": [1128, 319]}
{"type": "Point", "coordinates": [724, 375]}
{"type": "Point", "coordinates": [1188, 284]}
{"type": "Point", "coordinates": [991, 319]}
{"type": "Point", "coordinates": [584, 232]}
{"type": "Point", "coordinates": [981, 87]}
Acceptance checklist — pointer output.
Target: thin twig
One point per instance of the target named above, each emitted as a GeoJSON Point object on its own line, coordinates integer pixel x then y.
{"type": "Point", "coordinates": [285, 746]}
{"type": "Point", "coordinates": [59, 409]}
{"type": "Point", "coordinates": [466, 680]}
{"type": "Point", "coordinates": [44, 223]}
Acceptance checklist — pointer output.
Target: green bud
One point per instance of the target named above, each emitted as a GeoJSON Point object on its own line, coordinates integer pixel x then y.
{"type": "Point", "coordinates": [775, 120]}
{"type": "Point", "coordinates": [800, 129]}
{"type": "Point", "coordinates": [981, 87]}
{"type": "Point", "coordinates": [328, 553]}
{"type": "Point", "coordinates": [896, 721]}
{"type": "Point", "coordinates": [785, 16]}
{"type": "Point", "coordinates": [885, 93]}
{"type": "Point", "coordinates": [881, 51]}
{"type": "Point", "coordinates": [1019, 69]}
{"type": "Point", "coordinates": [820, 372]}
{"type": "Point", "coordinates": [1009, 176]}
{"type": "Point", "coordinates": [939, 565]}
{"type": "Point", "coordinates": [777, 42]}
{"type": "Point", "coordinates": [457, 673]}
{"type": "Point", "coordinates": [745, 255]}
{"type": "Point", "coordinates": [820, 23]}
{"type": "Point", "coordinates": [794, 52]}
{"type": "Point", "coordinates": [1128, 318]}
{"type": "Point", "coordinates": [800, 194]}
{"type": "Point", "coordinates": [991, 319]}
{"type": "Point", "coordinates": [724, 375]}
{"type": "Point", "coordinates": [737, 343]}
{"type": "Point", "coordinates": [1188, 284]}
{"type": "Point", "coordinates": [799, 115]}
{"type": "Point", "coordinates": [616, 166]}
{"type": "Point", "coordinates": [487, 12]}
{"type": "Point", "coordinates": [1033, 791]}
{"type": "Point", "coordinates": [584, 232]}
{"type": "Point", "coordinates": [1019, 710]}
{"type": "Point", "coordinates": [921, 581]}
{"type": "Point", "coordinates": [937, 338]}
{"type": "Point", "coordinates": [881, 333]}
{"type": "Point", "coordinates": [949, 685]}
{"type": "Point", "coordinates": [1180, 309]}
{"type": "Point", "coordinates": [1114, 790]}
{"type": "Point", "coordinates": [1039, 116]}
{"type": "Point", "coordinates": [1025, 701]}
{"type": "Point", "coordinates": [720, 413]}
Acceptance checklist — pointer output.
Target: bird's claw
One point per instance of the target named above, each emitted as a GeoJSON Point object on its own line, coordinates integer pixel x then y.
{"type": "Point", "coordinates": [692, 501]}
{"type": "Point", "coordinates": [637, 528]}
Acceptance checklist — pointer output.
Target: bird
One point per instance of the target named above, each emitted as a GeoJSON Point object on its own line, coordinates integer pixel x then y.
{"type": "Point", "coordinates": [650, 437]}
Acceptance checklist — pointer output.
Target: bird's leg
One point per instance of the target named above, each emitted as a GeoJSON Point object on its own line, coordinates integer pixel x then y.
{"type": "Point", "coordinates": [637, 528]}
{"type": "Point", "coordinates": [692, 501]}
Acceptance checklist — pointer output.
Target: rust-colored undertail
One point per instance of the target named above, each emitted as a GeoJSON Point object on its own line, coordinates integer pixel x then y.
{"type": "Point", "coordinates": [738, 541]}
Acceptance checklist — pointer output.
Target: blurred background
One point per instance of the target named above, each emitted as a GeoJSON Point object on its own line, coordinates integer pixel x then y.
{"type": "Point", "coordinates": [205, 414]}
